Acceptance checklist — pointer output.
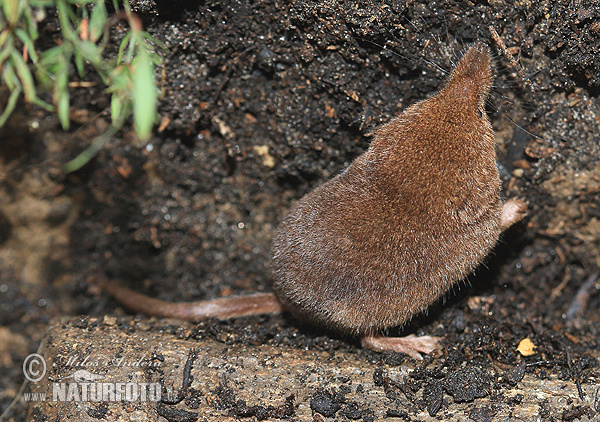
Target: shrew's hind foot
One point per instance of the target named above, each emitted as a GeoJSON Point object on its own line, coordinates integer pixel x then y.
{"type": "Point", "coordinates": [513, 211]}
{"type": "Point", "coordinates": [412, 345]}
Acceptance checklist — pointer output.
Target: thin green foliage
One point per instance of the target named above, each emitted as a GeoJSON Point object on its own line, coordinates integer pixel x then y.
{"type": "Point", "coordinates": [89, 153]}
{"type": "Point", "coordinates": [84, 25]}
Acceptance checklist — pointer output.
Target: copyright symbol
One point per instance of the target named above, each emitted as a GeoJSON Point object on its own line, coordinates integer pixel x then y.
{"type": "Point", "coordinates": [34, 367]}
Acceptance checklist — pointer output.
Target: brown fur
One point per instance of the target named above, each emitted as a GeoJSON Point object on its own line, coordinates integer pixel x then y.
{"type": "Point", "coordinates": [407, 219]}
{"type": "Point", "coordinates": [414, 214]}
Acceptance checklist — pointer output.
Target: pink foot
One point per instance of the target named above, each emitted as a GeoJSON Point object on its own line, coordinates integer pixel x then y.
{"type": "Point", "coordinates": [513, 211]}
{"type": "Point", "coordinates": [412, 345]}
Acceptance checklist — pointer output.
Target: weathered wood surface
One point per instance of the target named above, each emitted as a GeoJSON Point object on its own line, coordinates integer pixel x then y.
{"type": "Point", "coordinates": [273, 381]}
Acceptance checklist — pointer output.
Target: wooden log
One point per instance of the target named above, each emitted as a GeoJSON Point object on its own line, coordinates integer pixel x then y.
{"type": "Point", "coordinates": [209, 380]}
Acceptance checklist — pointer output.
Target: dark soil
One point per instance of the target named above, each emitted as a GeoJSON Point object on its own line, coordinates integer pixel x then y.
{"type": "Point", "coordinates": [266, 100]}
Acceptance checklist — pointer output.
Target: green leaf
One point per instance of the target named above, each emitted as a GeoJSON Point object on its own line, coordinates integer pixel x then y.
{"type": "Point", "coordinates": [89, 153]}
{"type": "Point", "coordinates": [11, 11]}
{"type": "Point", "coordinates": [116, 106]}
{"type": "Point", "coordinates": [122, 47]}
{"type": "Point", "coordinates": [80, 3]}
{"type": "Point", "coordinates": [64, 16]}
{"type": "Point", "coordinates": [63, 109]}
{"type": "Point", "coordinates": [144, 95]}
{"type": "Point", "coordinates": [48, 107]}
{"type": "Point", "coordinates": [79, 65]}
{"type": "Point", "coordinates": [30, 23]}
{"type": "Point", "coordinates": [24, 75]}
{"type": "Point", "coordinates": [10, 106]}
{"type": "Point", "coordinates": [42, 3]}
{"type": "Point", "coordinates": [51, 55]}
{"type": "Point", "coordinates": [6, 49]}
{"type": "Point", "coordinates": [154, 41]}
{"type": "Point", "coordinates": [10, 78]}
{"type": "Point", "coordinates": [129, 78]}
{"type": "Point", "coordinates": [90, 52]}
{"type": "Point", "coordinates": [24, 37]}
{"type": "Point", "coordinates": [5, 38]}
{"type": "Point", "coordinates": [98, 21]}
{"type": "Point", "coordinates": [61, 92]}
